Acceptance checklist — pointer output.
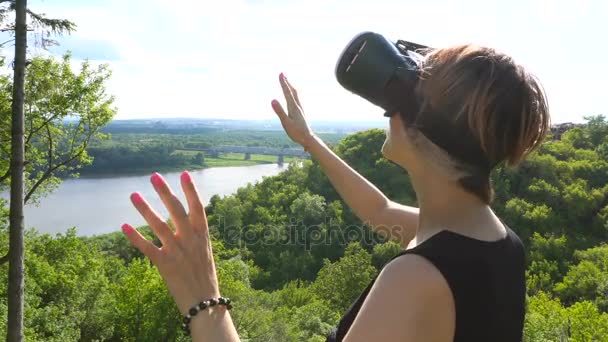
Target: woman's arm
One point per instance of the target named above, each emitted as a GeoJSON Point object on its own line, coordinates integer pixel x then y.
{"type": "Point", "coordinates": [398, 221]}
{"type": "Point", "coordinates": [364, 198]}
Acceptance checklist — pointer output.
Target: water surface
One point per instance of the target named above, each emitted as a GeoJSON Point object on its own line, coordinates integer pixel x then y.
{"type": "Point", "coordinates": [101, 205]}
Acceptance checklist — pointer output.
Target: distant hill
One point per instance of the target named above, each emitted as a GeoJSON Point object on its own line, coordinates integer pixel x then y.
{"type": "Point", "coordinates": [192, 126]}
{"type": "Point", "coordinates": [188, 126]}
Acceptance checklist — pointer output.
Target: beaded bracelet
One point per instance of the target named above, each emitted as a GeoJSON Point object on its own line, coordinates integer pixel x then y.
{"type": "Point", "coordinates": [202, 306]}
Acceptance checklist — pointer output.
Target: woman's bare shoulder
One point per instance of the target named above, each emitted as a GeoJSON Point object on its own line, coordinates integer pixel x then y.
{"type": "Point", "coordinates": [409, 301]}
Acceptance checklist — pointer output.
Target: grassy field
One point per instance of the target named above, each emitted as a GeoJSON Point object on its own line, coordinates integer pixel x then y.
{"type": "Point", "coordinates": [236, 159]}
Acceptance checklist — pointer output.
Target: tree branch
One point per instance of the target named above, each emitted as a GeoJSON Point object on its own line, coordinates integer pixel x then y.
{"type": "Point", "coordinates": [57, 26]}
{"type": "Point", "coordinates": [4, 259]}
{"type": "Point", "coordinates": [12, 28]}
{"type": "Point", "coordinates": [8, 41]}
{"type": "Point", "coordinates": [50, 171]}
{"type": "Point", "coordinates": [5, 149]}
{"type": "Point", "coordinates": [6, 175]}
{"type": "Point", "coordinates": [43, 125]}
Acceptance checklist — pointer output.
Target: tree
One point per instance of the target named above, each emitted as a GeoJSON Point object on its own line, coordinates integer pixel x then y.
{"type": "Point", "coordinates": [14, 173]}
{"type": "Point", "coordinates": [384, 252]}
{"type": "Point", "coordinates": [597, 128]}
{"type": "Point", "coordinates": [43, 27]}
{"type": "Point", "coordinates": [588, 279]}
{"type": "Point", "coordinates": [52, 145]}
{"type": "Point", "coordinates": [17, 246]}
{"type": "Point", "coordinates": [198, 159]}
{"type": "Point", "coordinates": [342, 282]}
{"type": "Point", "coordinates": [65, 111]}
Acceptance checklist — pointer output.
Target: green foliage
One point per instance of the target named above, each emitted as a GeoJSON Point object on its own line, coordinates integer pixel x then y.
{"type": "Point", "coordinates": [384, 252]}
{"type": "Point", "coordinates": [141, 302]}
{"type": "Point", "coordinates": [342, 282]}
{"type": "Point", "coordinates": [293, 256]}
{"type": "Point", "coordinates": [362, 151]}
{"type": "Point", "coordinates": [547, 320]}
{"type": "Point", "coordinates": [588, 279]}
{"type": "Point", "coordinates": [548, 262]}
{"type": "Point", "coordinates": [64, 111]}
{"type": "Point", "coordinates": [139, 158]}
{"type": "Point", "coordinates": [67, 289]}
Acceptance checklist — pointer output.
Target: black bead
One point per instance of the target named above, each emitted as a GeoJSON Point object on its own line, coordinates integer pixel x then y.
{"type": "Point", "coordinates": [212, 302]}
{"type": "Point", "coordinates": [203, 305]}
{"type": "Point", "coordinates": [228, 300]}
{"type": "Point", "coordinates": [221, 300]}
{"type": "Point", "coordinates": [186, 320]}
{"type": "Point", "coordinates": [228, 306]}
{"type": "Point", "coordinates": [193, 312]}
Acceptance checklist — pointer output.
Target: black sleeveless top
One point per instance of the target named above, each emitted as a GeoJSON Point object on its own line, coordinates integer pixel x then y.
{"type": "Point", "coordinates": [487, 280]}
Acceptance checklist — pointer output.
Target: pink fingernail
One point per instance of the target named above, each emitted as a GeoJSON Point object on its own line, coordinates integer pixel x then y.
{"type": "Point", "coordinates": [157, 180]}
{"type": "Point", "coordinates": [186, 177]}
{"type": "Point", "coordinates": [127, 229]}
{"type": "Point", "coordinates": [137, 198]}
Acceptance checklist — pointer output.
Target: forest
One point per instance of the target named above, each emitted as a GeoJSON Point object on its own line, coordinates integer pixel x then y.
{"type": "Point", "coordinates": [292, 256]}
{"type": "Point", "coordinates": [152, 147]}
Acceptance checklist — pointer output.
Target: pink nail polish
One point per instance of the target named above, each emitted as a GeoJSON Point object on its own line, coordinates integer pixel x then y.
{"type": "Point", "coordinates": [281, 75]}
{"type": "Point", "coordinates": [157, 180]}
{"type": "Point", "coordinates": [127, 229]}
{"type": "Point", "coordinates": [186, 177]}
{"type": "Point", "coordinates": [137, 198]}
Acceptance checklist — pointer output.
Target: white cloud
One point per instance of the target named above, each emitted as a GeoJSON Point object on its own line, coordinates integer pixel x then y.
{"type": "Point", "coordinates": [222, 58]}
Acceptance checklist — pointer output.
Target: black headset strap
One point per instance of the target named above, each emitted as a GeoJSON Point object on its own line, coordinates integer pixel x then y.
{"type": "Point", "coordinates": [404, 45]}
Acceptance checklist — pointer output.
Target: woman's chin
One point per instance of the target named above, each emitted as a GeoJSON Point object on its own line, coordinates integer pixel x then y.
{"type": "Point", "coordinates": [386, 149]}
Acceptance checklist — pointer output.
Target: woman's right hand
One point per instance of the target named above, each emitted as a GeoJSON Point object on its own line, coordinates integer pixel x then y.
{"type": "Point", "coordinates": [293, 122]}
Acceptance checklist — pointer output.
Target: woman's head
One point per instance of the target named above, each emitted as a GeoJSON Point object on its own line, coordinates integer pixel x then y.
{"type": "Point", "coordinates": [476, 92]}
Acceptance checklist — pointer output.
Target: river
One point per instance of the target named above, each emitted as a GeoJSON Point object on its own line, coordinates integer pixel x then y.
{"type": "Point", "coordinates": [101, 205]}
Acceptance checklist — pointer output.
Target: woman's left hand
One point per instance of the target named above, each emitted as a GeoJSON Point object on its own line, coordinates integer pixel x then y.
{"type": "Point", "coordinates": [185, 260]}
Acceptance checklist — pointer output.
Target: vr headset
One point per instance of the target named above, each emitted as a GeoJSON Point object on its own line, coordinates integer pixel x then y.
{"type": "Point", "coordinates": [385, 74]}
{"type": "Point", "coordinates": [380, 71]}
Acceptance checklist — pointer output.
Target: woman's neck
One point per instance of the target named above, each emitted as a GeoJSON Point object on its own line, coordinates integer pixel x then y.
{"type": "Point", "coordinates": [445, 205]}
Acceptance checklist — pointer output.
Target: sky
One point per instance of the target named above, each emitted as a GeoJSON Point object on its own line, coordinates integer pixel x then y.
{"type": "Point", "coordinates": [221, 59]}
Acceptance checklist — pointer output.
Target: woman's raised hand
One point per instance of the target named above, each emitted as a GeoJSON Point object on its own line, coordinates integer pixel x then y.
{"type": "Point", "coordinates": [185, 260]}
{"type": "Point", "coordinates": [294, 121]}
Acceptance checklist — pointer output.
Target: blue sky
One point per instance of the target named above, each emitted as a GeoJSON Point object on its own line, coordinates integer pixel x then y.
{"type": "Point", "coordinates": [199, 58]}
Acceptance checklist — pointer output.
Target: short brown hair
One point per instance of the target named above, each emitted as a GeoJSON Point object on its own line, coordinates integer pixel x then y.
{"type": "Point", "coordinates": [505, 106]}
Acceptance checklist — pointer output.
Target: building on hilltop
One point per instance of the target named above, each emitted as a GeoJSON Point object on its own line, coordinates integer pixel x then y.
{"type": "Point", "coordinates": [558, 129]}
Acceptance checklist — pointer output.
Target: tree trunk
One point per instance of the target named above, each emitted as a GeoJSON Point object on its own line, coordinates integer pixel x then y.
{"type": "Point", "coordinates": [16, 244]}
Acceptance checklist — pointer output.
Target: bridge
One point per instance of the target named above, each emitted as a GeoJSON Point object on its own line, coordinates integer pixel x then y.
{"type": "Point", "coordinates": [249, 150]}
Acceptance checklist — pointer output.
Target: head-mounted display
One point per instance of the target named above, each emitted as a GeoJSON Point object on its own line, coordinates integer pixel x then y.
{"type": "Point", "coordinates": [380, 71]}
{"type": "Point", "coordinates": [386, 74]}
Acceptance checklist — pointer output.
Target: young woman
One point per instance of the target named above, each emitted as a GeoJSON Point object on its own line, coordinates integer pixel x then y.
{"type": "Point", "coordinates": [461, 275]}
